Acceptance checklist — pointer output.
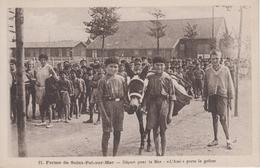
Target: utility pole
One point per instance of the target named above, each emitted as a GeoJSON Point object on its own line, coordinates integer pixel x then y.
{"type": "Point", "coordinates": [213, 42]}
{"type": "Point", "coordinates": [213, 29]}
{"type": "Point", "coordinates": [238, 61]}
{"type": "Point", "coordinates": [19, 19]}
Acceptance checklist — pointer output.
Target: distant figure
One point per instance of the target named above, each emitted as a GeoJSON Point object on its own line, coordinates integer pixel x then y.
{"type": "Point", "coordinates": [65, 90]}
{"type": "Point", "coordinates": [198, 83]}
{"type": "Point", "coordinates": [30, 88]}
{"type": "Point", "coordinates": [51, 97]}
{"type": "Point", "coordinates": [13, 92]}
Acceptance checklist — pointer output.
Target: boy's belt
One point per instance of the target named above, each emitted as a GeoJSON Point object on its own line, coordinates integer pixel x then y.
{"type": "Point", "coordinates": [159, 96]}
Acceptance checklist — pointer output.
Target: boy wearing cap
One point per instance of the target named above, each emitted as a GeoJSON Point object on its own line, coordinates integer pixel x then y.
{"type": "Point", "coordinates": [218, 92]}
{"type": "Point", "coordinates": [111, 97]}
{"type": "Point", "coordinates": [159, 101]}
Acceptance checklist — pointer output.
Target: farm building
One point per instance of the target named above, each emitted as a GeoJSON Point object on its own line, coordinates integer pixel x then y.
{"type": "Point", "coordinates": [59, 50]}
{"type": "Point", "coordinates": [132, 40]}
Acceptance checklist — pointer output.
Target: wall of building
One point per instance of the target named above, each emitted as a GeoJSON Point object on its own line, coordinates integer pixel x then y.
{"type": "Point", "coordinates": [193, 48]}
{"type": "Point", "coordinates": [128, 53]}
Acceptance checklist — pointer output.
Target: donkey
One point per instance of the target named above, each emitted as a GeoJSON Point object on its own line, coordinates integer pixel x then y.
{"type": "Point", "coordinates": [136, 91]}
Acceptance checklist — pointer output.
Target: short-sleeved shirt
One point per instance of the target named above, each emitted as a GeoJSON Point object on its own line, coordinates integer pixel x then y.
{"type": "Point", "coordinates": [111, 87]}
{"type": "Point", "coordinates": [64, 85]}
{"type": "Point", "coordinates": [160, 85]}
{"type": "Point", "coordinates": [43, 73]}
{"type": "Point", "coordinates": [65, 90]}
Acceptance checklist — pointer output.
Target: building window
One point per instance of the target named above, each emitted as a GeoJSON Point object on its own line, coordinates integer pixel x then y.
{"type": "Point", "coordinates": [182, 47]}
{"type": "Point", "coordinates": [54, 52]}
{"type": "Point", "coordinates": [26, 53]}
{"type": "Point", "coordinates": [136, 52]}
{"type": "Point", "coordinates": [149, 52]}
{"type": "Point", "coordinates": [64, 52]}
{"type": "Point", "coordinates": [94, 53]}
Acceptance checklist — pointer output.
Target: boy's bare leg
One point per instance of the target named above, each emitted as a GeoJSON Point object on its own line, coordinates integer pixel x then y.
{"type": "Point", "coordinates": [99, 115]}
{"type": "Point", "coordinates": [117, 135]}
{"type": "Point", "coordinates": [223, 122]}
{"type": "Point", "coordinates": [77, 108]}
{"type": "Point", "coordinates": [66, 111]}
{"type": "Point", "coordinates": [42, 112]}
{"type": "Point", "coordinates": [156, 141]}
{"type": "Point", "coordinates": [91, 112]}
{"type": "Point", "coordinates": [163, 141]}
{"type": "Point", "coordinates": [50, 113]}
{"type": "Point", "coordinates": [215, 126]}
{"type": "Point", "coordinates": [105, 139]}
{"type": "Point", "coordinates": [50, 117]}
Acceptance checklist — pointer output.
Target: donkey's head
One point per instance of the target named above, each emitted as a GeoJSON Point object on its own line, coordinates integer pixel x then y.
{"type": "Point", "coordinates": [136, 88]}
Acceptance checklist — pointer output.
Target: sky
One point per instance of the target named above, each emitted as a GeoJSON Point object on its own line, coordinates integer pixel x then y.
{"type": "Point", "coordinates": [55, 24]}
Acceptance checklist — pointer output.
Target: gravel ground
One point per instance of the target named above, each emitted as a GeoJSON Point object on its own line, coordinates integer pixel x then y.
{"type": "Point", "coordinates": [188, 134]}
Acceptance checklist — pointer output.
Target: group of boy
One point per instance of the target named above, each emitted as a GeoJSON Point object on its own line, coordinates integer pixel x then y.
{"type": "Point", "coordinates": [111, 95]}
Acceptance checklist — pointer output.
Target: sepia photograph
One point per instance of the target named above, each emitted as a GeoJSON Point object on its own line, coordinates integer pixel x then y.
{"type": "Point", "coordinates": [119, 82]}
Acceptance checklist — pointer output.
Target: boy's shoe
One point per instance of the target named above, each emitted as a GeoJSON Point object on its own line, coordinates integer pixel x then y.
{"type": "Point", "coordinates": [49, 125]}
{"type": "Point", "coordinates": [97, 122]}
{"type": "Point", "coordinates": [66, 121]}
{"type": "Point", "coordinates": [88, 121]}
{"type": "Point", "coordinates": [229, 146]}
{"type": "Point", "coordinates": [41, 124]}
{"type": "Point", "coordinates": [213, 143]}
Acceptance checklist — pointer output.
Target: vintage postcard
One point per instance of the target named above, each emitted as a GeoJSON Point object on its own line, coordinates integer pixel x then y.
{"type": "Point", "coordinates": [129, 84]}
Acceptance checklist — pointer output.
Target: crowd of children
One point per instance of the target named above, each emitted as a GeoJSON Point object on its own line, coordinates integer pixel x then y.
{"type": "Point", "coordinates": [69, 90]}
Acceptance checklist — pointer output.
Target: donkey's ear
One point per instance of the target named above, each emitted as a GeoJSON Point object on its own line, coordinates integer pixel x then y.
{"type": "Point", "coordinates": [144, 72]}
{"type": "Point", "coordinates": [128, 70]}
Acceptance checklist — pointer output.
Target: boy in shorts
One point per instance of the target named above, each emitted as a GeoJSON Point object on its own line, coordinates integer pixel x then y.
{"type": "Point", "coordinates": [218, 92]}
{"type": "Point", "coordinates": [111, 93]}
{"type": "Point", "coordinates": [159, 102]}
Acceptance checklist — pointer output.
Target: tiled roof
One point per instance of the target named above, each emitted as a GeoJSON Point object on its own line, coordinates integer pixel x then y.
{"type": "Point", "coordinates": [133, 34]}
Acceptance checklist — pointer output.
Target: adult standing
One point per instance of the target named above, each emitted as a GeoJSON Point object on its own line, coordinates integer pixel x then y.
{"type": "Point", "coordinates": [43, 72]}
{"type": "Point", "coordinates": [218, 92]}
